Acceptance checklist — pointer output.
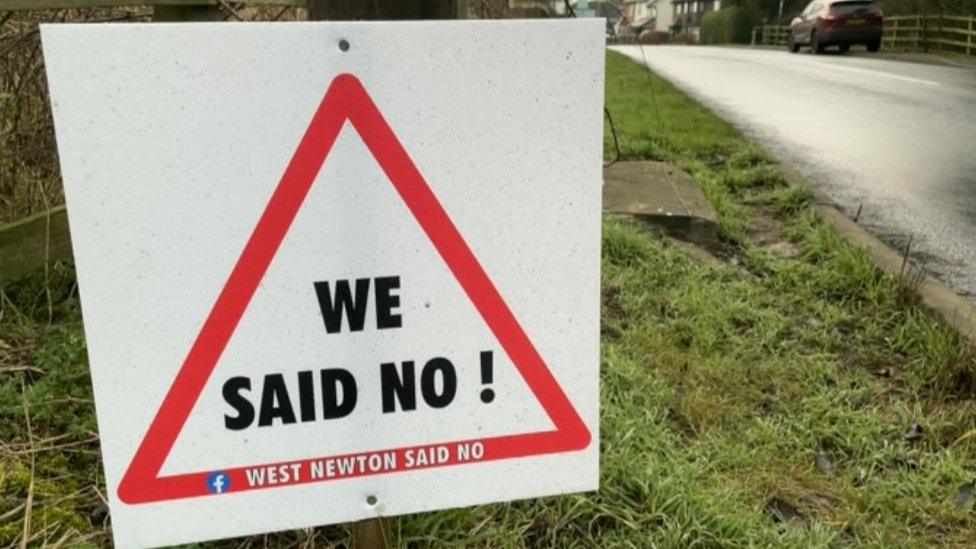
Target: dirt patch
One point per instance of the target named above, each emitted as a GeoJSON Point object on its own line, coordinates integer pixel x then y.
{"type": "Point", "coordinates": [765, 232]}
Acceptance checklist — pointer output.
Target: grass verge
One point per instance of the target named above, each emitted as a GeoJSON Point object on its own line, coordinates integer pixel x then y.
{"type": "Point", "coordinates": [792, 394]}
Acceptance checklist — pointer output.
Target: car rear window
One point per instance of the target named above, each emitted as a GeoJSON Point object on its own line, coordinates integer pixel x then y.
{"type": "Point", "coordinates": [851, 6]}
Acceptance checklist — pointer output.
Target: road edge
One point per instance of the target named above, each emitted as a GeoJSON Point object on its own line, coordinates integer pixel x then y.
{"type": "Point", "coordinates": [920, 58]}
{"type": "Point", "coordinates": [934, 294]}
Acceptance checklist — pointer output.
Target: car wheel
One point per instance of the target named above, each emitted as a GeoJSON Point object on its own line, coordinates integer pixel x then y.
{"type": "Point", "coordinates": [844, 48]}
{"type": "Point", "coordinates": [815, 46]}
{"type": "Point", "coordinates": [794, 47]}
{"type": "Point", "coordinates": [874, 45]}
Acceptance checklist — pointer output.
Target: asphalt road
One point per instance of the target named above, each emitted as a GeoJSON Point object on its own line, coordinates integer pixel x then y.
{"type": "Point", "coordinates": [897, 137]}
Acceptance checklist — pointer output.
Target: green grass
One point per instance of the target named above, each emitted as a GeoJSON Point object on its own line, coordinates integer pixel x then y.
{"type": "Point", "coordinates": [721, 382]}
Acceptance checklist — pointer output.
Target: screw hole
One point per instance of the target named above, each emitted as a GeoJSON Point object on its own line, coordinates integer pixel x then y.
{"type": "Point", "coordinates": [343, 45]}
{"type": "Point", "coordinates": [371, 500]}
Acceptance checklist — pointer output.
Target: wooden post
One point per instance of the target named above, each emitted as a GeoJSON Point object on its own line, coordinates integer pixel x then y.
{"type": "Point", "coordinates": [924, 25]}
{"type": "Point", "coordinates": [894, 33]}
{"type": "Point", "coordinates": [183, 14]}
{"type": "Point", "coordinates": [34, 242]}
{"type": "Point", "coordinates": [969, 37]}
{"type": "Point", "coordinates": [352, 10]}
{"type": "Point", "coordinates": [374, 533]}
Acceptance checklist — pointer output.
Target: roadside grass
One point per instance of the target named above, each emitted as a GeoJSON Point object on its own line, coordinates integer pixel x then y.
{"type": "Point", "coordinates": [764, 399]}
{"type": "Point", "coordinates": [783, 356]}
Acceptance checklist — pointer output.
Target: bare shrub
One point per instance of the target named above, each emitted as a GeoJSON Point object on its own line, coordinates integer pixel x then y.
{"type": "Point", "coordinates": [654, 37]}
{"type": "Point", "coordinates": [30, 180]}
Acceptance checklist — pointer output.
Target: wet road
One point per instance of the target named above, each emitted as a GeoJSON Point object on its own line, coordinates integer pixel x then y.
{"type": "Point", "coordinates": [899, 138]}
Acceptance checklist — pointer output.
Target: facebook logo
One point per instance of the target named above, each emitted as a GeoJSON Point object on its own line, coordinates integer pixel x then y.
{"type": "Point", "coordinates": [218, 482]}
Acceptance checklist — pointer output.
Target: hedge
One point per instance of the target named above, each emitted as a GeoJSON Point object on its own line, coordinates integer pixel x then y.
{"type": "Point", "coordinates": [730, 25]}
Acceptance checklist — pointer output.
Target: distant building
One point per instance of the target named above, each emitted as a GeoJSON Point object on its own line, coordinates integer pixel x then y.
{"type": "Point", "coordinates": [639, 16]}
{"type": "Point", "coordinates": [612, 11]}
{"type": "Point", "coordinates": [663, 15]}
{"type": "Point", "coordinates": [636, 16]}
{"type": "Point", "coordinates": [553, 8]}
{"type": "Point", "coordinates": [530, 9]}
{"type": "Point", "coordinates": [688, 15]}
{"type": "Point", "coordinates": [604, 9]}
{"type": "Point", "coordinates": [583, 8]}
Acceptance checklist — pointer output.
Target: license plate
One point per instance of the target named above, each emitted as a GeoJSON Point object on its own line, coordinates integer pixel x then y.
{"type": "Point", "coordinates": [856, 21]}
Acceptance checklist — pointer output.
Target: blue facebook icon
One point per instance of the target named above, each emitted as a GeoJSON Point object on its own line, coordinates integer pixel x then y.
{"type": "Point", "coordinates": [218, 482]}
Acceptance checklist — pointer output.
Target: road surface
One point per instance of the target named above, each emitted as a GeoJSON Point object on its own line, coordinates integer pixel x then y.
{"type": "Point", "coordinates": [897, 137]}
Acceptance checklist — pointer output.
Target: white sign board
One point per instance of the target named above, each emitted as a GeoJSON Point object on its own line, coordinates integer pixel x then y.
{"type": "Point", "coordinates": [322, 283]}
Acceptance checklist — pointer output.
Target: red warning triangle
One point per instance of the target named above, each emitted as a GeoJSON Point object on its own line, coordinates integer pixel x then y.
{"type": "Point", "coordinates": [345, 100]}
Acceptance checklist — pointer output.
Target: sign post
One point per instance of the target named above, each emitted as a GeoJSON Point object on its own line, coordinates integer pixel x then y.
{"type": "Point", "coordinates": [326, 278]}
{"type": "Point", "coordinates": [187, 13]}
{"type": "Point", "coordinates": [372, 533]}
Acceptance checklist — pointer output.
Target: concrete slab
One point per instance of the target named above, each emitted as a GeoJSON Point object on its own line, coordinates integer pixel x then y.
{"type": "Point", "coordinates": [653, 192]}
{"type": "Point", "coordinates": [661, 195]}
